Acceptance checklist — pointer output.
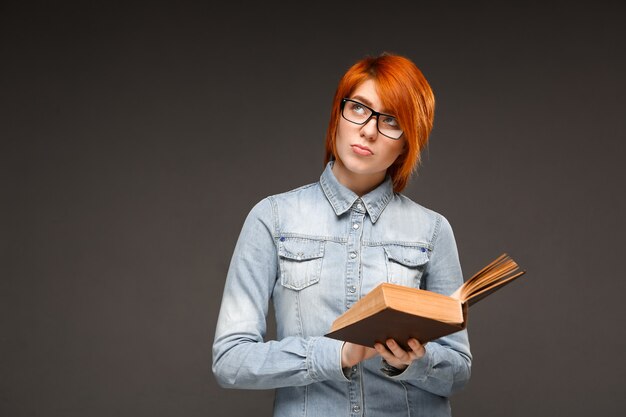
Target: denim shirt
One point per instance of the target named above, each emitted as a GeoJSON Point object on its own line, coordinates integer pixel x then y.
{"type": "Point", "coordinates": [313, 252]}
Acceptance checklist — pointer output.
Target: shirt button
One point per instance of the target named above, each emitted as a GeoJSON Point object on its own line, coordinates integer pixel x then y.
{"type": "Point", "coordinates": [352, 288]}
{"type": "Point", "coordinates": [352, 255]}
{"type": "Point", "coordinates": [356, 408]}
{"type": "Point", "coordinates": [359, 206]}
{"type": "Point", "coordinates": [354, 368]}
{"type": "Point", "coordinates": [355, 226]}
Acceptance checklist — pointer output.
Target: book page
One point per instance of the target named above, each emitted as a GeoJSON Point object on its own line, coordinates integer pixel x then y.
{"type": "Point", "coordinates": [495, 275]}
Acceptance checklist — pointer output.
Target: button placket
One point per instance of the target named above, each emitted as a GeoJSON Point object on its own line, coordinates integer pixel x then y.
{"type": "Point", "coordinates": [352, 283]}
{"type": "Point", "coordinates": [354, 247]}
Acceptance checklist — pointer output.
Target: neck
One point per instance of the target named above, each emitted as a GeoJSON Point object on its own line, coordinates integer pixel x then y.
{"type": "Point", "coordinates": [360, 184]}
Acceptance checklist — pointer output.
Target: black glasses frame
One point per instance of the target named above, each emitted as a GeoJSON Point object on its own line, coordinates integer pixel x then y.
{"type": "Point", "coordinates": [374, 114]}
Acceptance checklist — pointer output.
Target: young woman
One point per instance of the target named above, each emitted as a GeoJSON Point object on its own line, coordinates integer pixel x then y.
{"type": "Point", "coordinates": [314, 251]}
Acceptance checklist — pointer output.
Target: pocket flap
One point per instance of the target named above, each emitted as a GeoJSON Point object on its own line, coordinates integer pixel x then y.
{"type": "Point", "coordinates": [410, 256]}
{"type": "Point", "coordinates": [299, 249]}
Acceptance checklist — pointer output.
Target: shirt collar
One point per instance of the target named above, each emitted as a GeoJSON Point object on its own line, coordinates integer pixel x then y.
{"type": "Point", "coordinates": [342, 198]}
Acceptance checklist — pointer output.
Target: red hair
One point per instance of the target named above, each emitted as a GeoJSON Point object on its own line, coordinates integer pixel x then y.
{"type": "Point", "coordinates": [405, 93]}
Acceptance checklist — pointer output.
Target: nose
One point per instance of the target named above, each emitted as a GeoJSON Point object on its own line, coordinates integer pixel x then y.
{"type": "Point", "coordinates": [370, 129]}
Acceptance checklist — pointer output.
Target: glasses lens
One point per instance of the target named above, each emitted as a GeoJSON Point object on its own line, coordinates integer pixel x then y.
{"type": "Point", "coordinates": [389, 126]}
{"type": "Point", "coordinates": [356, 112]}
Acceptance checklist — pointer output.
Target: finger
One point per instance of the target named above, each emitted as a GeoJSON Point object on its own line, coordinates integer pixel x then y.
{"type": "Point", "coordinates": [417, 348]}
{"type": "Point", "coordinates": [397, 350]}
{"type": "Point", "coordinates": [414, 344]}
{"type": "Point", "coordinates": [380, 348]}
{"type": "Point", "coordinates": [370, 353]}
{"type": "Point", "coordinates": [385, 353]}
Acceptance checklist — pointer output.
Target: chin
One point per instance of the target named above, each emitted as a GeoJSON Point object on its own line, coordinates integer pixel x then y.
{"type": "Point", "coordinates": [360, 167]}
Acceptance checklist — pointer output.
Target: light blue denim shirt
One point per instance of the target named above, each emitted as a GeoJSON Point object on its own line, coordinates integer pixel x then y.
{"type": "Point", "coordinates": [313, 252]}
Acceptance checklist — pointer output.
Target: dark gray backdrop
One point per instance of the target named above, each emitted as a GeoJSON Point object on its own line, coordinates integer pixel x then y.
{"type": "Point", "coordinates": [135, 140]}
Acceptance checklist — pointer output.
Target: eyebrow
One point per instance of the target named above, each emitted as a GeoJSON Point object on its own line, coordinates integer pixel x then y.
{"type": "Point", "coordinates": [369, 103]}
{"type": "Point", "coordinates": [363, 99]}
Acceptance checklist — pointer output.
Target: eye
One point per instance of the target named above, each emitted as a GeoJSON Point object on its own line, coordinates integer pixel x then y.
{"type": "Point", "coordinates": [390, 121]}
{"type": "Point", "coordinates": [357, 108]}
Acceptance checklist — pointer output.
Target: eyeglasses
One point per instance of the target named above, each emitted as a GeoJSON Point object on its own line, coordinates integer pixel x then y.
{"type": "Point", "coordinates": [360, 114]}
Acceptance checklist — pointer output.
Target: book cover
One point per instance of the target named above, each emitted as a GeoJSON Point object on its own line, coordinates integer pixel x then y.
{"type": "Point", "coordinates": [400, 313]}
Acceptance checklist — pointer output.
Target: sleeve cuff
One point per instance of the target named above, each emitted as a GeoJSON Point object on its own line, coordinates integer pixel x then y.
{"type": "Point", "coordinates": [324, 359]}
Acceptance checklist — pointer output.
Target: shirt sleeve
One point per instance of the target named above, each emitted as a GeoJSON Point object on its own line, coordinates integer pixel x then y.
{"type": "Point", "coordinates": [241, 357]}
{"type": "Point", "coordinates": [446, 366]}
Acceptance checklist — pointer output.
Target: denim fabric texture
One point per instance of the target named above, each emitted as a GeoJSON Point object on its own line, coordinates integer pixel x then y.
{"type": "Point", "coordinates": [313, 252]}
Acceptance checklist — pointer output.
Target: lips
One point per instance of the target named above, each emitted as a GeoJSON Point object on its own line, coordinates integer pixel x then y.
{"type": "Point", "coordinates": [361, 150]}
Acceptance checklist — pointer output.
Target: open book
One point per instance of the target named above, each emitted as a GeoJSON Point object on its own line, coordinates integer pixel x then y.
{"type": "Point", "coordinates": [400, 313]}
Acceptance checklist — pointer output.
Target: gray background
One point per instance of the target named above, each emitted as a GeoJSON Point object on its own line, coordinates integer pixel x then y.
{"type": "Point", "coordinates": [136, 139]}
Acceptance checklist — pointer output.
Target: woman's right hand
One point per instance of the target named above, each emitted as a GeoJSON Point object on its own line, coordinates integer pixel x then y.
{"type": "Point", "coordinates": [351, 354]}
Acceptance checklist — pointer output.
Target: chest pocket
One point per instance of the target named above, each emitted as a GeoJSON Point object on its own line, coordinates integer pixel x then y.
{"type": "Point", "coordinates": [405, 264]}
{"type": "Point", "coordinates": [300, 262]}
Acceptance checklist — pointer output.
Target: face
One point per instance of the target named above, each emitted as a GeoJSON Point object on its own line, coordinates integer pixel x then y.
{"type": "Point", "coordinates": [363, 153]}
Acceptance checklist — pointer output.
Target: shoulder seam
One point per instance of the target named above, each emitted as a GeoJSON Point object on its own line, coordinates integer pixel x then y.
{"type": "Point", "coordinates": [438, 219]}
{"type": "Point", "coordinates": [274, 215]}
{"type": "Point", "coordinates": [297, 189]}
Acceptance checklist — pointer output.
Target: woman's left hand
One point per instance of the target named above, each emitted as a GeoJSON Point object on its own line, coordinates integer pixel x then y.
{"type": "Point", "coordinates": [398, 357]}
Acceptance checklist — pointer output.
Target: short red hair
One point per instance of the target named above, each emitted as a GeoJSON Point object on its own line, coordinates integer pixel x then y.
{"type": "Point", "coordinates": [405, 93]}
